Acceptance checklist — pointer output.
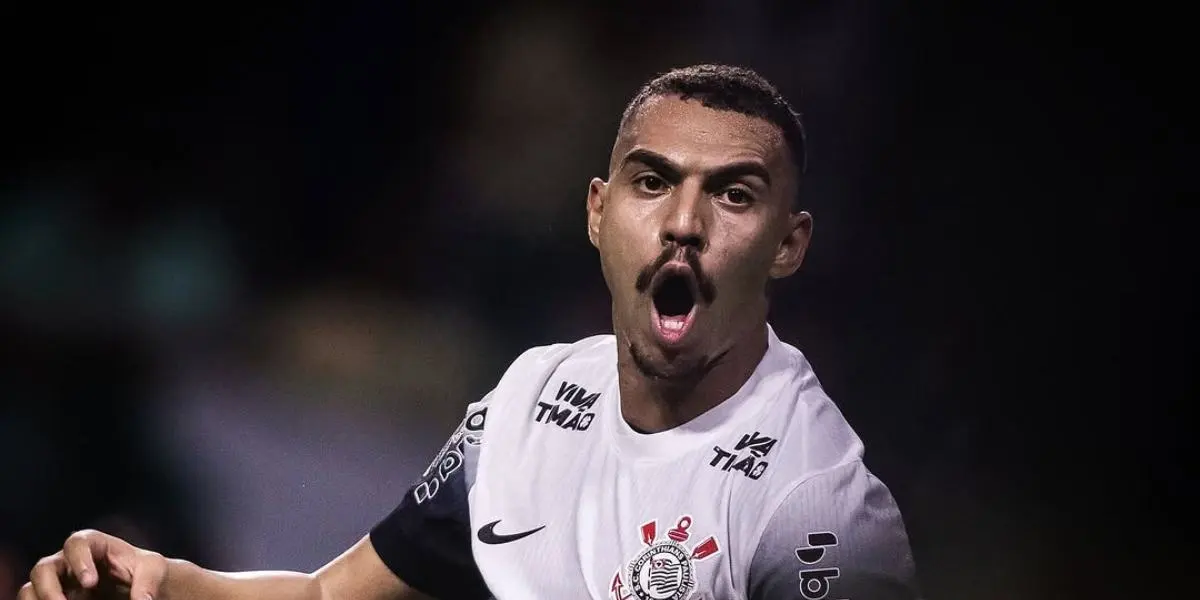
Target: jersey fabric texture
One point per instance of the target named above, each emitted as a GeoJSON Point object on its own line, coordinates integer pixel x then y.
{"type": "Point", "coordinates": [545, 492]}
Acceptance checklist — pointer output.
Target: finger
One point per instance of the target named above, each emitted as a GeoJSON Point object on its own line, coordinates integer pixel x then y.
{"type": "Point", "coordinates": [45, 577]}
{"type": "Point", "coordinates": [148, 575]}
{"type": "Point", "coordinates": [80, 551]}
{"type": "Point", "coordinates": [27, 592]}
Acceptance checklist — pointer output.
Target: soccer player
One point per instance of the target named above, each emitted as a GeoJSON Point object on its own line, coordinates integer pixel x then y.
{"type": "Point", "coordinates": [691, 454]}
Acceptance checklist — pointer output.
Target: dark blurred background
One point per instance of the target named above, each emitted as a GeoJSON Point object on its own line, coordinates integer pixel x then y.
{"type": "Point", "coordinates": [255, 260]}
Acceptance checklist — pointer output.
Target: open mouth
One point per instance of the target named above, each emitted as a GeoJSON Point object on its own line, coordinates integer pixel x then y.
{"type": "Point", "coordinates": [674, 301]}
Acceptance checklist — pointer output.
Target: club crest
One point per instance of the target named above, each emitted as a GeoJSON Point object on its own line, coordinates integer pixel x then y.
{"type": "Point", "coordinates": [664, 568]}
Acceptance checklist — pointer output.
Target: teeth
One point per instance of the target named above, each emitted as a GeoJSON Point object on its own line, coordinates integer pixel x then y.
{"type": "Point", "coordinates": [673, 323]}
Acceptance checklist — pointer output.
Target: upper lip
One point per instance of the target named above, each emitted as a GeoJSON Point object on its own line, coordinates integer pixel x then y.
{"type": "Point", "coordinates": [676, 267]}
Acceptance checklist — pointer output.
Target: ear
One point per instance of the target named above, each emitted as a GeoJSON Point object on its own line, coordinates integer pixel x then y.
{"type": "Point", "coordinates": [597, 192]}
{"type": "Point", "coordinates": [791, 250]}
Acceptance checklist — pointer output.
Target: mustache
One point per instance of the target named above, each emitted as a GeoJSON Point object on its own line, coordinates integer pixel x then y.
{"type": "Point", "coordinates": [708, 291]}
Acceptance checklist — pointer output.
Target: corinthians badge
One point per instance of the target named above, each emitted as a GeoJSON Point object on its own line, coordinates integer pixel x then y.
{"type": "Point", "coordinates": [663, 570]}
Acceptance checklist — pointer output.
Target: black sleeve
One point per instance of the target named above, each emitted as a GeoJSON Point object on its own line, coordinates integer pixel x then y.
{"type": "Point", "coordinates": [426, 540]}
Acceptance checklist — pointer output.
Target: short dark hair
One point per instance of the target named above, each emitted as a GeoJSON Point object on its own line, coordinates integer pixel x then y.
{"type": "Point", "coordinates": [733, 88]}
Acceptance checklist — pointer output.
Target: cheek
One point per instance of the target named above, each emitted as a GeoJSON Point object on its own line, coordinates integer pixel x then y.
{"type": "Point", "coordinates": [624, 240]}
{"type": "Point", "coordinates": [746, 262]}
{"type": "Point", "coordinates": [618, 261]}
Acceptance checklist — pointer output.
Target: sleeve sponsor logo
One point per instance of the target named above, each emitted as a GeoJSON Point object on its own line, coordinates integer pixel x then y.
{"type": "Point", "coordinates": [815, 578]}
{"type": "Point", "coordinates": [451, 457]}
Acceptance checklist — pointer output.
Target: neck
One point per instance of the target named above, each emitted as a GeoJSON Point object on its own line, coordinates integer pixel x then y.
{"type": "Point", "coordinates": [651, 404]}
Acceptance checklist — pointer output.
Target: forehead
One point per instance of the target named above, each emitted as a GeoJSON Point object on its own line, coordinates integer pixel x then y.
{"type": "Point", "coordinates": [691, 134]}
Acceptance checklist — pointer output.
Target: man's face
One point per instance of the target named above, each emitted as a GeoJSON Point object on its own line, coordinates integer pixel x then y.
{"type": "Point", "coordinates": [694, 220]}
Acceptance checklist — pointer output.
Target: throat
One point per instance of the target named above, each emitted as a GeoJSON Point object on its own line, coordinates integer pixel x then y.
{"type": "Point", "coordinates": [651, 403]}
{"type": "Point", "coordinates": [654, 413]}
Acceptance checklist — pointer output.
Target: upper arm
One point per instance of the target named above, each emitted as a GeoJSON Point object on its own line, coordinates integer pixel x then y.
{"type": "Point", "coordinates": [422, 549]}
{"type": "Point", "coordinates": [360, 574]}
{"type": "Point", "coordinates": [426, 540]}
{"type": "Point", "coordinates": [836, 536]}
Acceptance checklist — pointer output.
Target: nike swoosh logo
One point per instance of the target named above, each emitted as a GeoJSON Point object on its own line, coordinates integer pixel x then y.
{"type": "Point", "coordinates": [487, 534]}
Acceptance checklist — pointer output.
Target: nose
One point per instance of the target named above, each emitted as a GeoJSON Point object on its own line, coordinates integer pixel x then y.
{"type": "Point", "coordinates": [686, 220]}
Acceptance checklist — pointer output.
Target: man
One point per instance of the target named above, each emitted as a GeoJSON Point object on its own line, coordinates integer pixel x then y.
{"type": "Point", "coordinates": [691, 454]}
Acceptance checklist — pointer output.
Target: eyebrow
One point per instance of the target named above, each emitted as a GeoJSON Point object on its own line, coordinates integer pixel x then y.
{"type": "Point", "coordinates": [672, 171]}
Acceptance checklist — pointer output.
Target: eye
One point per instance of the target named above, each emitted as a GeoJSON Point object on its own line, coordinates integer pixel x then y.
{"type": "Point", "coordinates": [737, 196]}
{"type": "Point", "coordinates": [650, 184]}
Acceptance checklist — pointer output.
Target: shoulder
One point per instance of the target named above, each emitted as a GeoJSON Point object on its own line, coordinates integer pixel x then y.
{"type": "Point", "coordinates": [823, 513]}
{"type": "Point", "coordinates": [799, 439]}
{"type": "Point", "coordinates": [842, 530]}
{"type": "Point", "coordinates": [537, 364]}
{"type": "Point", "coordinates": [814, 435]}
{"type": "Point", "coordinates": [594, 346]}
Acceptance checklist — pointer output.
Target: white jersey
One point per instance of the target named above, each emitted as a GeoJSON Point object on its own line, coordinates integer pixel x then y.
{"type": "Point", "coordinates": [545, 492]}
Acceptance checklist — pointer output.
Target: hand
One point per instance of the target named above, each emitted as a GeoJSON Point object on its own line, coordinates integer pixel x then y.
{"type": "Point", "coordinates": [91, 561]}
